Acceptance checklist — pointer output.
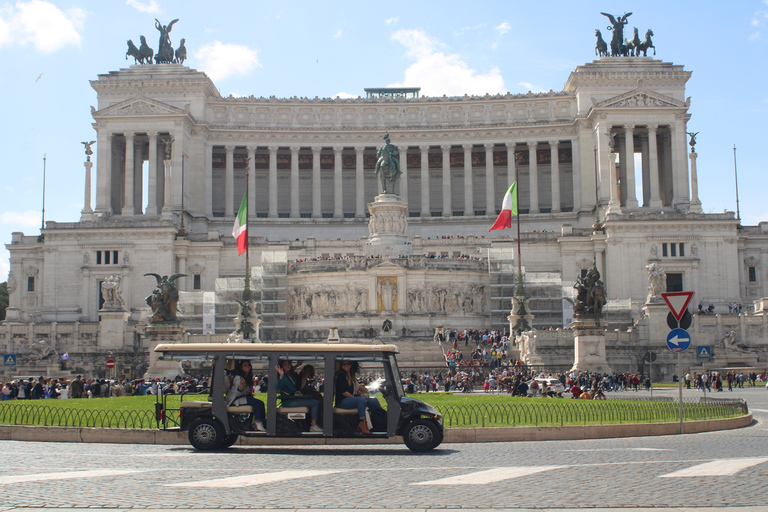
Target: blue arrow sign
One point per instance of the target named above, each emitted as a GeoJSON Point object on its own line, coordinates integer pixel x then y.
{"type": "Point", "coordinates": [678, 340]}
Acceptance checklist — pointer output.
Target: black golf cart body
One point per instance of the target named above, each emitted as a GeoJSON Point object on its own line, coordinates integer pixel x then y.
{"type": "Point", "coordinates": [212, 425]}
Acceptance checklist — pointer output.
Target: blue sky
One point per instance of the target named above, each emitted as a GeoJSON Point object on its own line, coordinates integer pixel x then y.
{"type": "Point", "coordinates": [50, 50]}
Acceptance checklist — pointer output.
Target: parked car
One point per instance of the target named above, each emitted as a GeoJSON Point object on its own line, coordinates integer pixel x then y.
{"type": "Point", "coordinates": [554, 384]}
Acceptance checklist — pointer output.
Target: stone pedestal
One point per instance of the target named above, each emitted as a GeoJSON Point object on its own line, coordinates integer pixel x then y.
{"type": "Point", "coordinates": [589, 346]}
{"type": "Point", "coordinates": [333, 335]}
{"type": "Point", "coordinates": [112, 328]}
{"type": "Point", "coordinates": [657, 322]}
{"type": "Point", "coordinates": [163, 333]}
{"type": "Point", "coordinates": [387, 227]}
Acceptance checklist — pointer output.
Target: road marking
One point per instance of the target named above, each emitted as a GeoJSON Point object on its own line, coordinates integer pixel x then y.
{"type": "Point", "coordinates": [257, 479]}
{"type": "Point", "coordinates": [721, 467]}
{"type": "Point", "coordinates": [17, 479]}
{"type": "Point", "coordinates": [489, 476]}
{"type": "Point", "coordinates": [621, 450]}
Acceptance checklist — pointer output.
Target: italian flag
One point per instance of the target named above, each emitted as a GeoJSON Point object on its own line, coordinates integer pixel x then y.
{"type": "Point", "coordinates": [240, 229]}
{"type": "Point", "coordinates": [508, 209]}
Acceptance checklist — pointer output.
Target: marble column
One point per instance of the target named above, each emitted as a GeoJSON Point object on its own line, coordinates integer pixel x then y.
{"type": "Point", "coordinates": [251, 180]}
{"type": "Point", "coordinates": [103, 171]}
{"type": "Point", "coordinates": [338, 191]}
{"type": "Point", "coordinates": [208, 179]}
{"type": "Point", "coordinates": [680, 189]}
{"type": "Point", "coordinates": [511, 177]}
{"type": "Point", "coordinates": [272, 182]}
{"type": "Point", "coordinates": [138, 177]}
{"type": "Point", "coordinates": [695, 201]}
{"type": "Point", "coordinates": [425, 208]}
{"type": "Point", "coordinates": [87, 213]}
{"type": "Point", "coordinates": [317, 211]}
{"type": "Point", "coordinates": [603, 163]}
{"type": "Point", "coordinates": [178, 178]}
{"type": "Point", "coordinates": [167, 210]}
{"type": "Point", "coordinates": [653, 160]}
{"type": "Point", "coordinates": [359, 182]}
{"type": "Point", "coordinates": [229, 182]}
{"type": "Point", "coordinates": [554, 157]}
{"type": "Point", "coordinates": [128, 175]}
{"type": "Point", "coordinates": [295, 182]}
{"type": "Point", "coordinates": [403, 181]}
{"type": "Point", "coordinates": [152, 176]}
{"type": "Point", "coordinates": [490, 196]}
{"type": "Point", "coordinates": [629, 166]}
{"type": "Point", "coordinates": [447, 192]}
{"type": "Point", "coordinates": [614, 205]}
{"type": "Point", "coordinates": [469, 200]}
{"type": "Point", "coordinates": [533, 176]}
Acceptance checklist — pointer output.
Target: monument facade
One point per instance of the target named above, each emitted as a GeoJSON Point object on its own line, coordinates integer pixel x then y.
{"type": "Point", "coordinates": [349, 233]}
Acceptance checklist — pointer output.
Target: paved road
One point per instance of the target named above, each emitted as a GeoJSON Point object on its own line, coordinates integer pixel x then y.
{"type": "Point", "coordinates": [716, 470]}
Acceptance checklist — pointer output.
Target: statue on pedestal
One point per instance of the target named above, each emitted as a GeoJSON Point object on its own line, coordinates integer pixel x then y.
{"type": "Point", "coordinates": [657, 282]}
{"type": "Point", "coordinates": [388, 166]}
{"type": "Point", "coordinates": [113, 295]}
{"type": "Point", "coordinates": [590, 295]}
{"type": "Point", "coordinates": [164, 300]}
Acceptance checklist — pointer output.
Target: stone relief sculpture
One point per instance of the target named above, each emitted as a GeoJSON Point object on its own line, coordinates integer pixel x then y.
{"type": "Point", "coordinates": [728, 342]}
{"type": "Point", "coordinates": [113, 295]}
{"type": "Point", "coordinates": [40, 351]}
{"type": "Point", "coordinates": [387, 291]}
{"type": "Point", "coordinates": [657, 282]}
{"type": "Point", "coordinates": [164, 300]}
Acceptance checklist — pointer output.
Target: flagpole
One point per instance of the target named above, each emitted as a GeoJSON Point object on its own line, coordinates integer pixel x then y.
{"type": "Point", "coordinates": [736, 177]}
{"type": "Point", "coordinates": [42, 224]}
{"type": "Point", "coordinates": [517, 202]}
{"type": "Point", "coordinates": [247, 295]}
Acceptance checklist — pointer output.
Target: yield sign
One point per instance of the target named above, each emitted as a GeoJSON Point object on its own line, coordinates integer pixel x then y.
{"type": "Point", "coordinates": [677, 302]}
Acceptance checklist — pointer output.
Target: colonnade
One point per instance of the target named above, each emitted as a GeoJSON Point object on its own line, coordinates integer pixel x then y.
{"type": "Point", "coordinates": [431, 189]}
{"type": "Point", "coordinates": [550, 180]}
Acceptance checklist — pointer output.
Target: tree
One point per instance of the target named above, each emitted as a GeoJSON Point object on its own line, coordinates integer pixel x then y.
{"type": "Point", "coordinates": [3, 299]}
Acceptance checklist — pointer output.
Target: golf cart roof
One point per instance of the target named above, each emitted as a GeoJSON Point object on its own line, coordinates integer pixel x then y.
{"type": "Point", "coordinates": [245, 350]}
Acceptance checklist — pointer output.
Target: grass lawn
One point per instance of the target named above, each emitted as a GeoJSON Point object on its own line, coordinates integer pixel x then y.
{"type": "Point", "coordinates": [459, 410]}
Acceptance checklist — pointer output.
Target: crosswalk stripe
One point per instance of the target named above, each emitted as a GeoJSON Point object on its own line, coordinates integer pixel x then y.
{"type": "Point", "coordinates": [16, 479]}
{"type": "Point", "coordinates": [257, 479]}
{"type": "Point", "coordinates": [721, 467]}
{"type": "Point", "coordinates": [489, 476]}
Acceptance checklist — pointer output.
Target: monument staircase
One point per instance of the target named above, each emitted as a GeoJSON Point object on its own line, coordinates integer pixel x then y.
{"type": "Point", "coordinates": [415, 351]}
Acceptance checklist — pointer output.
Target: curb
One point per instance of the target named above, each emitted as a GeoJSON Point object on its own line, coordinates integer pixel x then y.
{"type": "Point", "coordinates": [452, 435]}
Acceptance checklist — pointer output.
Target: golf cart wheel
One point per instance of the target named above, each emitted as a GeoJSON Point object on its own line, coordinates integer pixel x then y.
{"type": "Point", "coordinates": [206, 434]}
{"type": "Point", "coordinates": [422, 436]}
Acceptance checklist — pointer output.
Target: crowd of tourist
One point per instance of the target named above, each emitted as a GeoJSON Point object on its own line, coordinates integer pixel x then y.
{"type": "Point", "coordinates": [60, 388]}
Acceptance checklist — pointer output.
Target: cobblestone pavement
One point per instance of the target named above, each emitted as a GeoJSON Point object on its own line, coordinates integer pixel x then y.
{"type": "Point", "coordinates": [714, 471]}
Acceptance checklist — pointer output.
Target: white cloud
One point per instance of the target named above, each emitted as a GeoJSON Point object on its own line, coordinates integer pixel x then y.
{"type": "Point", "coordinates": [437, 73]}
{"type": "Point", "coordinates": [392, 21]}
{"type": "Point", "coordinates": [221, 60]}
{"type": "Point", "coordinates": [345, 95]}
{"type": "Point", "coordinates": [530, 87]}
{"type": "Point", "coordinates": [338, 33]}
{"type": "Point", "coordinates": [41, 24]}
{"type": "Point", "coordinates": [503, 28]}
{"type": "Point", "coordinates": [28, 219]}
{"type": "Point", "coordinates": [150, 7]}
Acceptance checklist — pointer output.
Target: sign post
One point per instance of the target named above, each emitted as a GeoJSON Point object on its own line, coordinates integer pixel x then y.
{"type": "Point", "coordinates": [678, 340]}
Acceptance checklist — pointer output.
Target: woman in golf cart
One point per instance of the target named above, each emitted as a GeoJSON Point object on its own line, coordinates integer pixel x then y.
{"type": "Point", "coordinates": [240, 393]}
{"type": "Point", "coordinates": [289, 386]}
{"type": "Point", "coordinates": [348, 393]}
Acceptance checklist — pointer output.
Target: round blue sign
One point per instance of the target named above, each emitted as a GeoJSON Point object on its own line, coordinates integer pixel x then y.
{"type": "Point", "coordinates": [678, 340]}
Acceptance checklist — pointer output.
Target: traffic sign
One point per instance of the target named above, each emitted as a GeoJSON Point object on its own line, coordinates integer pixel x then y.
{"type": "Point", "coordinates": [110, 363]}
{"type": "Point", "coordinates": [650, 356]}
{"type": "Point", "coordinates": [704, 351]}
{"type": "Point", "coordinates": [9, 360]}
{"type": "Point", "coordinates": [678, 340]}
{"type": "Point", "coordinates": [677, 302]}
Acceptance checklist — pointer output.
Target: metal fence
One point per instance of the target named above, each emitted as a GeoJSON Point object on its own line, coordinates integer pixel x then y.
{"type": "Point", "coordinates": [556, 412]}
